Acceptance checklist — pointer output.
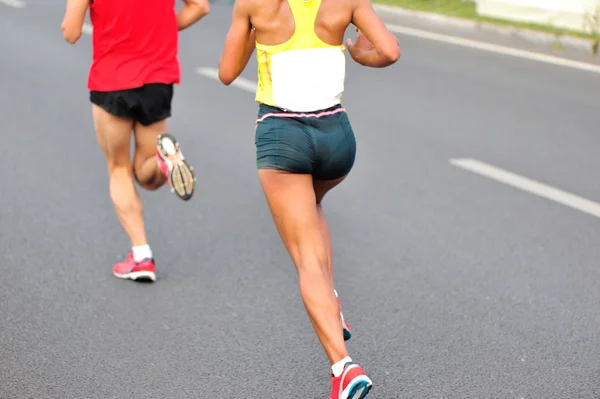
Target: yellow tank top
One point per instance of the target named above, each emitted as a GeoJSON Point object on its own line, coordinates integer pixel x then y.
{"type": "Point", "coordinates": [303, 74]}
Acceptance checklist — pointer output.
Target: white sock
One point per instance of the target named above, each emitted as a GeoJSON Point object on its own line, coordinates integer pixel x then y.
{"type": "Point", "coordinates": [141, 252]}
{"type": "Point", "coordinates": [338, 368]}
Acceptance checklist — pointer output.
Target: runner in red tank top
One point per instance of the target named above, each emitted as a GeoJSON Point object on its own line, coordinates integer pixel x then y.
{"type": "Point", "coordinates": [131, 80]}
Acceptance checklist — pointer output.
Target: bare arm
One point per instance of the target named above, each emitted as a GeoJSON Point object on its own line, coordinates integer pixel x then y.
{"type": "Point", "coordinates": [191, 12]}
{"type": "Point", "coordinates": [239, 44]}
{"type": "Point", "coordinates": [250, 46]}
{"type": "Point", "coordinates": [381, 48]}
{"type": "Point", "coordinates": [72, 23]}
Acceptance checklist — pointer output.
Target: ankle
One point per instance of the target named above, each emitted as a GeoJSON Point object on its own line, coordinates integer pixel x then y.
{"type": "Point", "coordinates": [338, 368]}
{"type": "Point", "coordinates": [141, 252]}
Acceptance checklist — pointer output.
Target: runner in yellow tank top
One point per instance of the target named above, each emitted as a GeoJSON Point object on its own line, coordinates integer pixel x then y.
{"type": "Point", "coordinates": [304, 73]}
{"type": "Point", "coordinates": [305, 144]}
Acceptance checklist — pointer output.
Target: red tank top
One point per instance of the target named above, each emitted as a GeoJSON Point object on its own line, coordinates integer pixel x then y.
{"type": "Point", "coordinates": [135, 42]}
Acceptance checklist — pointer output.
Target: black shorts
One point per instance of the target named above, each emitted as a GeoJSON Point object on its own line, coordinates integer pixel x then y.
{"type": "Point", "coordinates": [148, 104]}
{"type": "Point", "coordinates": [319, 143]}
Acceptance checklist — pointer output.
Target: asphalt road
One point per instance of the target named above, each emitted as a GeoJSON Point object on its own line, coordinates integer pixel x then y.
{"type": "Point", "coordinates": [456, 285]}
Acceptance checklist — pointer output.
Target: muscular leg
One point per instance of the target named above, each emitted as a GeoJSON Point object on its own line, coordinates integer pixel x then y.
{"type": "Point", "coordinates": [292, 201]}
{"type": "Point", "coordinates": [114, 137]}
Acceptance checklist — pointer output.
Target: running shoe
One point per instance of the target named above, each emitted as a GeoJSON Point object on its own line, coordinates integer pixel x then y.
{"type": "Point", "coordinates": [352, 384]}
{"type": "Point", "coordinates": [179, 173]}
{"type": "Point", "coordinates": [345, 325]}
{"type": "Point", "coordinates": [132, 270]}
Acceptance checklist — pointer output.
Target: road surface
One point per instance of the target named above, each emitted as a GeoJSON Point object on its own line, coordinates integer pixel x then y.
{"type": "Point", "coordinates": [459, 280]}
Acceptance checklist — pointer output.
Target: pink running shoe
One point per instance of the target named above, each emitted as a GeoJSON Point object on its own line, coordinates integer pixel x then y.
{"type": "Point", "coordinates": [136, 271]}
{"type": "Point", "coordinates": [172, 164]}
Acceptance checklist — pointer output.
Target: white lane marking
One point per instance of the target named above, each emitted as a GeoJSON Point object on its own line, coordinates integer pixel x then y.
{"type": "Point", "coordinates": [240, 83]}
{"type": "Point", "coordinates": [13, 3]}
{"type": "Point", "coordinates": [494, 48]}
{"type": "Point", "coordinates": [528, 185]}
{"type": "Point", "coordinates": [87, 29]}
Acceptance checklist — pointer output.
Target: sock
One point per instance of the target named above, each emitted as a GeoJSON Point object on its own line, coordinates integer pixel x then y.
{"type": "Point", "coordinates": [338, 368]}
{"type": "Point", "coordinates": [141, 252]}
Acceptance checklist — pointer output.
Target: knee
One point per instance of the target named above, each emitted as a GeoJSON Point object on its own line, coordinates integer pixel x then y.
{"type": "Point", "coordinates": [312, 259]}
{"type": "Point", "coordinates": [120, 170]}
{"type": "Point", "coordinates": [312, 275]}
{"type": "Point", "coordinates": [122, 190]}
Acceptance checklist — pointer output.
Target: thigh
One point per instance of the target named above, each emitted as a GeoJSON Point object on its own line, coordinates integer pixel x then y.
{"type": "Point", "coordinates": [337, 147]}
{"type": "Point", "coordinates": [153, 103]}
{"type": "Point", "coordinates": [114, 136]}
{"type": "Point", "coordinates": [284, 144]}
{"type": "Point", "coordinates": [291, 199]}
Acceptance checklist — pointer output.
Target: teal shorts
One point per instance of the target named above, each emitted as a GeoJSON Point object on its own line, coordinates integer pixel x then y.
{"type": "Point", "coordinates": [319, 143]}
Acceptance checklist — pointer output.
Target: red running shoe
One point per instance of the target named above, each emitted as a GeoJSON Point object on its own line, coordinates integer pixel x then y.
{"type": "Point", "coordinates": [130, 269]}
{"type": "Point", "coordinates": [352, 384]}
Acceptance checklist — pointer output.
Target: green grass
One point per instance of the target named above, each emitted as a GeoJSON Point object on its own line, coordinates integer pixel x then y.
{"type": "Point", "coordinates": [466, 10]}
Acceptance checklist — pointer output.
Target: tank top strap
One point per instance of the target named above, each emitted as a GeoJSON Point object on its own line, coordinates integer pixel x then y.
{"type": "Point", "coordinates": [305, 14]}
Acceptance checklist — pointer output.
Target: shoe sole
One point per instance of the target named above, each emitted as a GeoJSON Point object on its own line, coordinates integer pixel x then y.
{"type": "Point", "coordinates": [347, 331]}
{"type": "Point", "coordinates": [347, 335]}
{"type": "Point", "coordinates": [137, 276]}
{"type": "Point", "coordinates": [182, 178]}
{"type": "Point", "coordinates": [360, 390]}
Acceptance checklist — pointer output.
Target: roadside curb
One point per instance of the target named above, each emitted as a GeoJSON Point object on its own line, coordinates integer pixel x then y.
{"type": "Point", "coordinates": [587, 46]}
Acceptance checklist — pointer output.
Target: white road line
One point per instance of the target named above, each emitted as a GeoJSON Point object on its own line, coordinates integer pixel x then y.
{"type": "Point", "coordinates": [87, 29]}
{"type": "Point", "coordinates": [528, 185]}
{"type": "Point", "coordinates": [240, 83]}
{"type": "Point", "coordinates": [13, 3]}
{"type": "Point", "coordinates": [494, 48]}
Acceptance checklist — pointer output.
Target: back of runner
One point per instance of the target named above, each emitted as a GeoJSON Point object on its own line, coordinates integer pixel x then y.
{"type": "Point", "coordinates": [131, 80]}
{"type": "Point", "coordinates": [305, 144]}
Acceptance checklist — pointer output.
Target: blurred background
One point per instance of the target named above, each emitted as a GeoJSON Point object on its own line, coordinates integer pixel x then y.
{"type": "Point", "coordinates": [577, 16]}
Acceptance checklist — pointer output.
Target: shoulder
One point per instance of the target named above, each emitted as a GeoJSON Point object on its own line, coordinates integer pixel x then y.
{"type": "Point", "coordinates": [244, 7]}
{"type": "Point", "coordinates": [257, 7]}
{"type": "Point", "coordinates": [354, 4]}
{"type": "Point", "coordinates": [362, 8]}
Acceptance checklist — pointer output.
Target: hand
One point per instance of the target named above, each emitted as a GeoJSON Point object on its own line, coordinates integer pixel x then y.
{"type": "Point", "coordinates": [362, 44]}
